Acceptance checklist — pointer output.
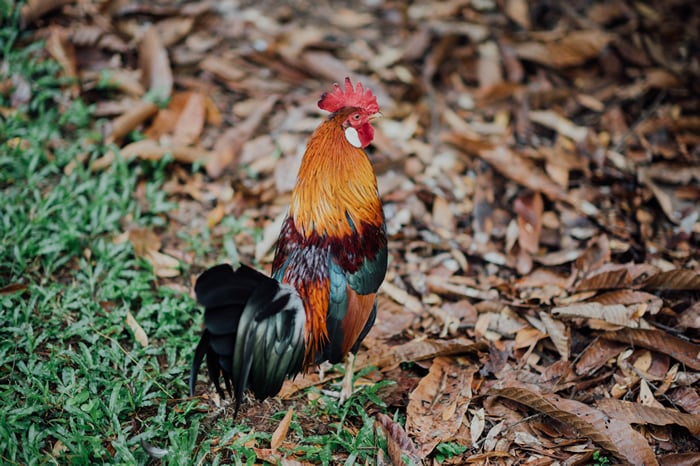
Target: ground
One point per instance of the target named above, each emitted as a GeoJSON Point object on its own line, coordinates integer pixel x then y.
{"type": "Point", "coordinates": [539, 165]}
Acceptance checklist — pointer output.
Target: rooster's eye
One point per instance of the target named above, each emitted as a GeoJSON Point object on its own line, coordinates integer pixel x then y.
{"type": "Point", "coordinates": [356, 117]}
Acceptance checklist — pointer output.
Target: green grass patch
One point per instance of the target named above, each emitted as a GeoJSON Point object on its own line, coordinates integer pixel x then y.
{"type": "Point", "coordinates": [76, 386]}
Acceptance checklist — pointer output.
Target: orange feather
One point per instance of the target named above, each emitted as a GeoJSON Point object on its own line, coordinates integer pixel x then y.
{"type": "Point", "coordinates": [333, 169]}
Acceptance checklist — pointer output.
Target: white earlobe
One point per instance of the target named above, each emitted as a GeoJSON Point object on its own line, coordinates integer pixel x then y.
{"type": "Point", "coordinates": [352, 137]}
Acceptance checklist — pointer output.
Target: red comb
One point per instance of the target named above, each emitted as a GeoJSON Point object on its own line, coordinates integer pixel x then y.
{"type": "Point", "coordinates": [358, 97]}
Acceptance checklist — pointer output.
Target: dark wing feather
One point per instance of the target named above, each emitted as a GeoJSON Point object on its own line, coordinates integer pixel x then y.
{"type": "Point", "coordinates": [337, 308]}
{"type": "Point", "coordinates": [365, 280]}
{"type": "Point", "coordinates": [370, 275]}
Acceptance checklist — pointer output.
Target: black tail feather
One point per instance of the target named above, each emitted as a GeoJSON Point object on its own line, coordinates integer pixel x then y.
{"type": "Point", "coordinates": [253, 333]}
{"type": "Point", "coordinates": [199, 353]}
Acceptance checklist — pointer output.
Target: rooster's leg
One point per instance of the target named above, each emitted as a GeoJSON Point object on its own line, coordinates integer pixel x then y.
{"type": "Point", "coordinates": [347, 387]}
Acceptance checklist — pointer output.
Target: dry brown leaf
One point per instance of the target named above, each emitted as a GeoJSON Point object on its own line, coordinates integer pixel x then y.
{"type": "Point", "coordinates": [155, 65]}
{"type": "Point", "coordinates": [615, 436]}
{"type": "Point", "coordinates": [146, 244]}
{"type": "Point", "coordinates": [216, 215]}
{"type": "Point", "coordinates": [35, 9]}
{"type": "Point", "coordinates": [596, 255]}
{"type": "Point", "coordinates": [122, 125]}
{"type": "Point", "coordinates": [656, 340]}
{"type": "Point", "coordinates": [330, 68]}
{"type": "Point", "coordinates": [392, 318]}
{"type": "Point", "coordinates": [126, 81]}
{"type": "Point", "coordinates": [564, 126]}
{"type": "Point", "coordinates": [628, 297]}
{"type": "Point", "coordinates": [529, 208]}
{"type": "Point", "coordinates": [190, 123]}
{"type": "Point", "coordinates": [280, 432]}
{"type": "Point", "coordinates": [617, 314]}
{"type": "Point", "coordinates": [679, 279]}
{"type": "Point", "coordinates": [139, 334]}
{"type": "Point", "coordinates": [477, 425]}
{"type": "Point", "coordinates": [61, 49]}
{"type": "Point", "coordinates": [489, 68]}
{"type": "Point", "coordinates": [399, 444]}
{"type": "Point", "coordinates": [230, 143]}
{"type": "Point", "coordinates": [524, 172]}
{"type": "Point", "coordinates": [558, 333]}
{"type": "Point", "coordinates": [437, 406]}
{"type": "Point", "coordinates": [687, 398]}
{"type": "Point", "coordinates": [442, 214]}
{"type": "Point", "coordinates": [387, 357]}
{"type": "Point", "coordinates": [455, 286]}
{"type": "Point", "coordinates": [143, 241]}
{"type": "Point", "coordinates": [528, 338]}
{"type": "Point", "coordinates": [597, 355]}
{"type": "Point", "coordinates": [636, 413]}
{"type": "Point", "coordinates": [13, 288]}
{"type": "Point", "coordinates": [574, 48]}
{"type": "Point", "coordinates": [164, 265]}
{"type": "Point", "coordinates": [402, 297]}
{"type": "Point", "coordinates": [222, 68]}
{"type": "Point", "coordinates": [148, 149]}
{"type": "Point", "coordinates": [518, 11]}
{"type": "Point", "coordinates": [690, 318]}
{"type": "Point", "coordinates": [171, 30]}
{"type": "Point", "coordinates": [679, 459]}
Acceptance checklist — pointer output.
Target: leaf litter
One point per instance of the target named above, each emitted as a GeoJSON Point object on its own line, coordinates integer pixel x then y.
{"type": "Point", "coordinates": [539, 168]}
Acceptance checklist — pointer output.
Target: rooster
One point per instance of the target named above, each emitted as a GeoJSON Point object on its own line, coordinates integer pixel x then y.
{"type": "Point", "coordinates": [330, 260]}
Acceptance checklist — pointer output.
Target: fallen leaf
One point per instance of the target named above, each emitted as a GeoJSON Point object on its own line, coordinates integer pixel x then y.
{"type": "Point", "coordinates": [656, 340]}
{"type": "Point", "coordinates": [122, 125]}
{"type": "Point", "coordinates": [228, 146]}
{"type": "Point", "coordinates": [679, 279]}
{"type": "Point", "coordinates": [636, 413]}
{"type": "Point", "coordinates": [554, 121]}
{"type": "Point", "coordinates": [35, 9]}
{"type": "Point", "coordinates": [574, 48]}
{"type": "Point", "coordinates": [437, 406]}
{"type": "Point", "coordinates": [280, 432]}
{"type": "Point", "coordinates": [617, 314]}
{"type": "Point", "coordinates": [529, 208]}
{"type": "Point", "coordinates": [615, 436]}
{"type": "Point", "coordinates": [190, 122]}
{"type": "Point", "coordinates": [518, 11]}
{"type": "Point", "coordinates": [13, 288]}
{"type": "Point", "coordinates": [146, 245]}
{"type": "Point", "coordinates": [597, 355]}
{"type": "Point", "coordinates": [61, 49]}
{"type": "Point", "coordinates": [399, 444]}
{"type": "Point", "coordinates": [139, 333]}
{"type": "Point", "coordinates": [558, 333]}
{"type": "Point", "coordinates": [216, 215]}
{"type": "Point", "coordinates": [155, 65]}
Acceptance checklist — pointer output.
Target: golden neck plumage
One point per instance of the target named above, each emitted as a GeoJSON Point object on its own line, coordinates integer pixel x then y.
{"type": "Point", "coordinates": [336, 182]}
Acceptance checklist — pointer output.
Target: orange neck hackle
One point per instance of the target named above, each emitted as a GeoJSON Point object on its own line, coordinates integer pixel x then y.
{"type": "Point", "coordinates": [336, 189]}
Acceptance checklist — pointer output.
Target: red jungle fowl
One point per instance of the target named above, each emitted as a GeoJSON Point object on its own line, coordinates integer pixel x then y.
{"type": "Point", "coordinates": [331, 257]}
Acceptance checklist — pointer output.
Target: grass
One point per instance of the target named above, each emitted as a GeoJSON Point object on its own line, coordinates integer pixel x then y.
{"type": "Point", "coordinates": [76, 386]}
